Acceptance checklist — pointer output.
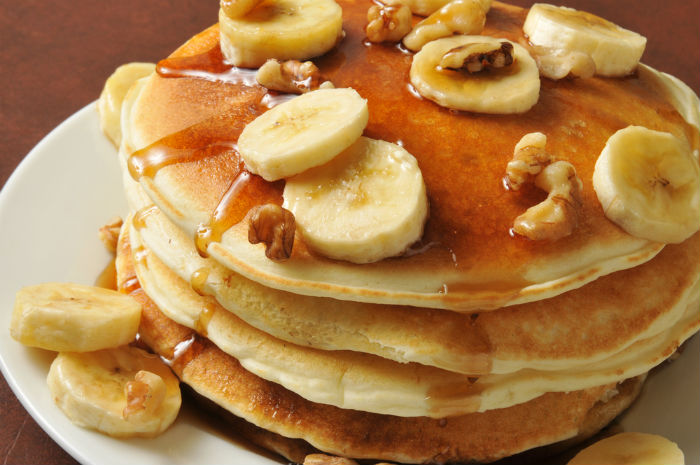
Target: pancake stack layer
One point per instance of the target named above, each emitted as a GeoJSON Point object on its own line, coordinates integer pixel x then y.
{"type": "Point", "coordinates": [476, 343]}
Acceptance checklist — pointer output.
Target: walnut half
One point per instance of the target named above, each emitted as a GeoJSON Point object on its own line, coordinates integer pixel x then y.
{"type": "Point", "coordinates": [529, 157]}
{"type": "Point", "coordinates": [457, 17]}
{"type": "Point", "coordinates": [291, 76]}
{"type": "Point", "coordinates": [479, 56]}
{"type": "Point", "coordinates": [557, 215]}
{"type": "Point", "coordinates": [274, 226]}
{"type": "Point", "coordinates": [144, 394]}
{"type": "Point", "coordinates": [388, 23]}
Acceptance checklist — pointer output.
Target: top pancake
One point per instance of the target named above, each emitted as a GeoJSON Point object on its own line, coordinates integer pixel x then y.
{"type": "Point", "coordinates": [466, 259]}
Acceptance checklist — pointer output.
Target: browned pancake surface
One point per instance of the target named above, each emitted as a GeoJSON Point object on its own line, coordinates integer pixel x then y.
{"type": "Point", "coordinates": [483, 436]}
{"type": "Point", "coordinates": [462, 155]}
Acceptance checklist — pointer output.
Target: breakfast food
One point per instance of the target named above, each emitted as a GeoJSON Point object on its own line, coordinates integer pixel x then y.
{"type": "Point", "coordinates": [415, 260]}
{"type": "Point", "coordinates": [354, 258]}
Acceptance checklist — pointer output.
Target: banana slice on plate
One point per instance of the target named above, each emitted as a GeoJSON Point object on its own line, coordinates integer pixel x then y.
{"type": "Point", "coordinates": [366, 204]}
{"type": "Point", "coordinates": [109, 104]}
{"type": "Point", "coordinates": [281, 29]}
{"type": "Point", "coordinates": [73, 317]}
{"type": "Point", "coordinates": [304, 132]}
{"type": "Point", "coordinates": [514, 88]}
{"type": "Point", "coordinates": [615, 50]}
{"type": "Point", "coordinates": [648, 183]}
{"type": "Point", "coordinates": [122, 392]}
{"type": "Point", "coordinates": [631, 449]}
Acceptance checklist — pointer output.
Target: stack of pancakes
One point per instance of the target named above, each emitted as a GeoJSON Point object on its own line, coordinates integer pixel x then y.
{"type": "Point", "coordinates": [474, 345]}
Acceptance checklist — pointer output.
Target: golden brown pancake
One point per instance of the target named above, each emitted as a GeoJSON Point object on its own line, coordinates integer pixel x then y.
{"type": "Point", "coordinates": [356, 380]}
{"type": "Point", "coordinates": [572, 330]}
{"type": "Point", "coordinates": [468, 259]}
{"type": "Point", "coordinates": [482, 437]}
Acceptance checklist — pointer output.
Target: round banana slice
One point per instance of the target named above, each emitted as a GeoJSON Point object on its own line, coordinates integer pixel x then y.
{"type": "Point", "coordinates": [73, 317]}
{"type": "Point", "coordinates": [304, 132]}
{"type": "Point", "coordinates": [511, 89]}
{"type": "Point", "coordinates": [109, 104]}
{"type": "Point", "coordinates": [648, 183]}
{"type": "Point", "coordinates": [631, 449]}
{"type": "Point", "coordinates": [121, 392]}
{"type": "Point", "coordinates": [366, 204]}
{"type": "Point", "coordinates": [615, 51]}
{"type": "Point", "coordinates": [281, 29]}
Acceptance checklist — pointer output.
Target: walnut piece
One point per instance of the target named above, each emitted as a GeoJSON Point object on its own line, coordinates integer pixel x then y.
{"type": "Point", "coordinates": [109, 233]}
{"type": "Point", "coordinates": [557, 215]}
{"type": "Point", "coordinates": [144, 394]}
{"type": "Point", "coordinates": [529, 157]}
{"type": "Point", "coordinates": [388, 23]}
{"type": "Point", "coordinates": [274, 226]}
{"type": "Point", "coordinates": [323, 459]}
{"type": "Point", "coordinates": [291, 76]}
{"type": "Point", "coordinates": [558, 64]}
{"type": "Point", "coordinates": [476, 57]}
{"type": "Point", "coordinates": [457, 17]}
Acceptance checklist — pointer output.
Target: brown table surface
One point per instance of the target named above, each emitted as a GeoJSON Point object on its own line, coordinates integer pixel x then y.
{"type": "Point", "coordinates": [56, 55]}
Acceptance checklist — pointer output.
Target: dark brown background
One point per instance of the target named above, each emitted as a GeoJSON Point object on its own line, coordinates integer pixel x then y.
{"type": "Point", "coordinates": [55, 56]}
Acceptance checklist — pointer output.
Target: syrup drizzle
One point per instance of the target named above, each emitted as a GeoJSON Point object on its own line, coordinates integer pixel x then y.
{"type": "Point", "coordinates": [245, 191]}
{"type": "Point", "coordinates": [210, 66]}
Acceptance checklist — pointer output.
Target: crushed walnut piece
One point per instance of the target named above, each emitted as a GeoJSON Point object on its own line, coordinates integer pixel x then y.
{"type": "Point", "coordinates": [323, 459]}
{"type": "Point", "coordinates": [388, 23]}
{"type": "Point", "coordinates": [109, 233]}
{"type": "Point", "coordinates": [557, 215]}
{"type": "Point", "coordinates": [145, 393]}
{"type": "Point", "coordinates": [529, 157]}
{"type": "Point", "coordinates": [479, 56]}
{"type": "Point", "coordinates": [275, 227]}
{"type": "Point", "coordinates": [558, 64]}
{"type": "Point", "coordinates": [291, 76]}
{"type": "Point", "coordinates": [457, 17]}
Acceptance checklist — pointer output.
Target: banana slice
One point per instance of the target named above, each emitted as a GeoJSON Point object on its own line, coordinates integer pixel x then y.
{"type": "Point", "coordinates": [615, 51]}
{"type": "Point", "coordinates": [648, 183]}
{"type": "Point", "coordinates": [121, 392]}
{"type": "Point", "coordinates": [281, 29]}
{"type": "Point", "coordinates": [73, 317]}
{"type": "Point", "coordinates": [109, 104]}
{"type": "Point", "coordinates": [511, 89]}
{"type": "Point", "coordinates": [366, 204]}
{"type": "Point", "coordinates": [631, 449]}
{"type": "Point", "coordinates": [304, 132]}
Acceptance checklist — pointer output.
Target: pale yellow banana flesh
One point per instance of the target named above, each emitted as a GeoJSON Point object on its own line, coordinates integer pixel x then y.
{"type": "Point", "coordinates": [368, 203]}
{"type": "Point", "coordinates": [513, 89]}
{"type": "Point", "coordinates": [304, 132]}
{"type": "Point", "coordinates": [631, 449]}
{"type": "Point", "coordinates": [122, 392]}
{"type": "Point", "coordinates": [73, 317]}
{"type": "Point", "coordinates": [280, 29]}
{"type": "Point", "coordinates": [109, 104]}
{"type": "Point", "coordinates": [615, 51]}
{"type": "Point", "coordinates": [648, 183]}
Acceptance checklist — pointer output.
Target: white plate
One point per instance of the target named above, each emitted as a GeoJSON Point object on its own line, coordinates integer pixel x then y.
{"type": "Point", "coordinates": [50, 211]}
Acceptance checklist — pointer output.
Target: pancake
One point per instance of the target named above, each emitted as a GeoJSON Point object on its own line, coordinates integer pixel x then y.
{"type": "Point", "coordinates": [578, 328]}
{"type": "Point", "coordinates": [355, 380]}
{"type": "Point", "coordinates": [476, 343]}
{"type": "Point", "coordinates": [482, 437]}
{"type": "Point", "coordinates": [185, 129]}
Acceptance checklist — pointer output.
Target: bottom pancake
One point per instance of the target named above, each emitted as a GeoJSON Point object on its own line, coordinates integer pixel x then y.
{"type": "Point", "coordinates": [481, 437]}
